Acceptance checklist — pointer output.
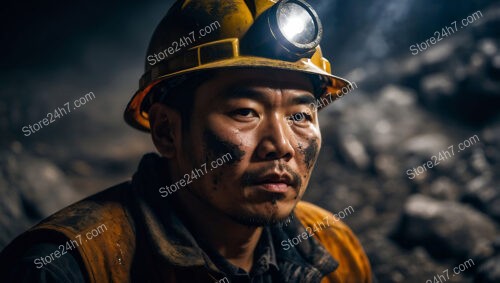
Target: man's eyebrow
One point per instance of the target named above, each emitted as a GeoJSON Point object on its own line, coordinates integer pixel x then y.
{"type": "Point", "coordinates": [303, 99]}
{"type": "Point", "coordinates": [239, 92]}
{"type": "Point", "coordinates": [249, 93]}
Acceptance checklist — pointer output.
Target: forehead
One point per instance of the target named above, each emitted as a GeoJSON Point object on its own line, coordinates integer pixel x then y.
{"type": "Point", "coordinates": [259, 80]}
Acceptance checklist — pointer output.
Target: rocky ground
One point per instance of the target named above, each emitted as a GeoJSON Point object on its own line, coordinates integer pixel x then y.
{"type": "Point", "coordinates": [415, 226]}
{"type": "Point", "coordinates": [404, 111]}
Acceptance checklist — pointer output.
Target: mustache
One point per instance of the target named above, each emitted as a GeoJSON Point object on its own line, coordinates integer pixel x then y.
{"type": "Point", "coordinates": [249, 177]}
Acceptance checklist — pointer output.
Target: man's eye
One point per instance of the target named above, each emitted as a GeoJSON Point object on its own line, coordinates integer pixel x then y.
{"type": "Point", "coordinates": [245, 112]}
{"type": "Point", "coordinates": [300, 117]}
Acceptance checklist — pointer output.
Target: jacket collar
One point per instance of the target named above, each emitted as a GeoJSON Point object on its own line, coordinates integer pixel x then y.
{"type": "Point", "coordinates": [171, 243]}
{"type": "Point", "coordinates": [307, 262]}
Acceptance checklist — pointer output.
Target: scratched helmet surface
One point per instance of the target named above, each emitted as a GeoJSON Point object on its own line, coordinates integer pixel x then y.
{"type": "Point", "coordinates": [197, 35]}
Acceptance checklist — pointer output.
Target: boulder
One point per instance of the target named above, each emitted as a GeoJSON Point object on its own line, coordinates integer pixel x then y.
{"type": "Point", "coordinates": [31, 189]}
{"type": "Point", "coordinates": [446, 229]}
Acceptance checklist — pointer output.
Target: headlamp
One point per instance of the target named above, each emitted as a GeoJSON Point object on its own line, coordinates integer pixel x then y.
{"type": "Point", "coordinates": [289, 30]}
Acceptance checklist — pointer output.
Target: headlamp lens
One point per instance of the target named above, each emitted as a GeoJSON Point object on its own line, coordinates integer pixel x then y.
{"type": "Point", "coordinates": [289, 30]}
{"type": "Point", "coordinates": [296, 23]}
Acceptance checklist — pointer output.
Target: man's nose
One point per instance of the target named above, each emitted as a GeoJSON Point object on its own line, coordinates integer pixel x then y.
{"type": "Point", "coordinates": [276, 140]}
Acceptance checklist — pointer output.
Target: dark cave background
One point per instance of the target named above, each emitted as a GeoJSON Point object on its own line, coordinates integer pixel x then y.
{"type": "Point", "coordinates": [405, 110]}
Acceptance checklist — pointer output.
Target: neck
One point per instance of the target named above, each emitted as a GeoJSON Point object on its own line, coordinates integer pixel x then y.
{"type": "Point", "coordinates": [234, 241]}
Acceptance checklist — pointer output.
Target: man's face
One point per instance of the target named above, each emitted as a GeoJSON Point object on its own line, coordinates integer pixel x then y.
{"type": "Point", "coordinates": [244, 113]}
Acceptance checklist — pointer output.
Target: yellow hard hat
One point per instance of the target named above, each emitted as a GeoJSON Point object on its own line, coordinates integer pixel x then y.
{"type": "Point", "coordinates": [198, 35]}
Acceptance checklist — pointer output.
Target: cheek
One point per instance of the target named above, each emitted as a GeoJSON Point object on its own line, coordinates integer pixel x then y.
{"type": "Point", "coordinates": [309, 152]}
{"type": "Point", "coordinates": [216, 146]}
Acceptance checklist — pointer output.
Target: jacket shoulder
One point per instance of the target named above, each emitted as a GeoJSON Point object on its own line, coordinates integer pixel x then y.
{"type": "Point", "coordinates": [338, 239]}
{"type": "Point", "coordinates": [98, 227]}
{"type": "Point", "coordinates": [109, 205]}
{"type": "Point", "coordinates": [310, 214]}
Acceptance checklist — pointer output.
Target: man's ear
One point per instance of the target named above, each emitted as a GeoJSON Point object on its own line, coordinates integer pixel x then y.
{"type": "Point", "coordinates": [165, 129]}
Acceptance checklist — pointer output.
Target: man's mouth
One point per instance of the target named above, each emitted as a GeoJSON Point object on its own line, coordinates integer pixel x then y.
{"type": "Point", "coordinates": [274, 187]}
{"type": "Point", "coordinates": [275, 183]}
{"type": "Point", "coordinates": [275, 179]}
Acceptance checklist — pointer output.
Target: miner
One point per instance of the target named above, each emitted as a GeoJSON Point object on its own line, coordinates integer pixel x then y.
{"type": "Point", "coordinates": [234, 163]}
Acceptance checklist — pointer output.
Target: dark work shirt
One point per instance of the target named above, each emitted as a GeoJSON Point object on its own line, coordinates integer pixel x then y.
{"type": "Point", "coordinates": [265, 267]}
